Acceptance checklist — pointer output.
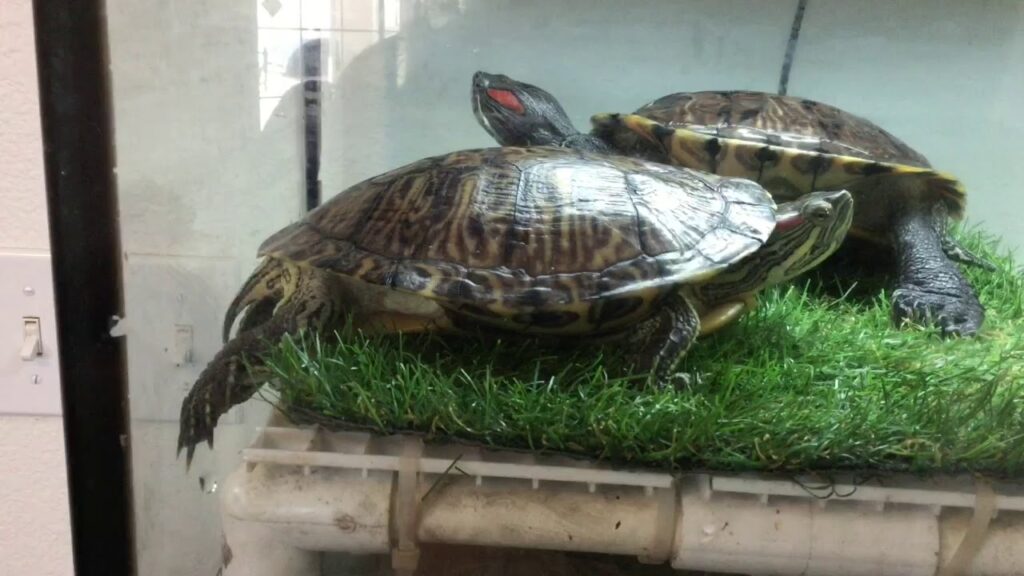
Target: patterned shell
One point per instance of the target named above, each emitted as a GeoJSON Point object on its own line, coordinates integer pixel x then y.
{"type": "Point", "coordinates": [505, 229]}
{"type": "Point", "coordinates": [789, 145]}
{"type": "Point", "coordinates": [782, 120]}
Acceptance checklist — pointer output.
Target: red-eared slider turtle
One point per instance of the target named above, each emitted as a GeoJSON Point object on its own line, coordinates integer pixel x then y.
{"type": "Point", "coordinates": [538, 241]}
{"type": "Point", "coordinates": [791, 146]}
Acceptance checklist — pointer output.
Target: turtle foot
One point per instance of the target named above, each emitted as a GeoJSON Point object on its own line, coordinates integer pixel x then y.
{"type": "Point", "coordinates": [225, 382]}
{"type": "Point", "coordinates": [955, 315]}
{"type": "Point", "coordinates": [192, 432]}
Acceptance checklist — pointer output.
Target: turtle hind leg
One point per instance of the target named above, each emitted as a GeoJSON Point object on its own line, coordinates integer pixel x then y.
{"type": "Point", "coordinates": [314, 302]}
{"type": "Point", "coordinates": [224, 383]}
{"type": "Point", "coordinates": [667, 337]}
{"type": "Point", "coordinates": [263, 290]}
{"type": "Point", "coordinates": [931, 289]}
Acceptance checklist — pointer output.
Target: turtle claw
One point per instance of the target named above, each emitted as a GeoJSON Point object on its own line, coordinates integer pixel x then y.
{"type": "Point", "coordinates": [188, 457]}
{"type": "Point", "coordinates": [190, 449]}
{"type": "Point", "coordinates": [191, 434]}
{"type": "Point", "coordinates": [955, 315]}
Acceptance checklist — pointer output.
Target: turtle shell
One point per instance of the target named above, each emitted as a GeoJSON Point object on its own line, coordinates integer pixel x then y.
{"type": "Point", "coordinates": [782, 120]}
{"type": "Point", "coordinates": [506, 231]}
{"type": "Point", "coordinates": [790, 145]}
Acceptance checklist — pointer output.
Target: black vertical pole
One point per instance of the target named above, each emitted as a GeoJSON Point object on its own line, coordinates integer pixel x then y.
{"type": "Point", "coordinates": [312, 63]}
{"type": "Point", "coordinates": [312, 124]}
{"type": "Point", "coordinates": [71, 47]}
{"type": "Point", "coordinates": [794, 37]}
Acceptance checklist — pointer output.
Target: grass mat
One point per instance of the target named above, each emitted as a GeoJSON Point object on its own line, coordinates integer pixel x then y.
{"type": "Point", "coordinates": [816, 378]}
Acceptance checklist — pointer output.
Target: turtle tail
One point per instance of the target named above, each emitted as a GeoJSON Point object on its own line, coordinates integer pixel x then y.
{"type": "Point", "coordinates": [258, 297]}
{"type": "Point", "coordinates": [957, 252]}
{"type": "Point", "coordinates": [952, 247]}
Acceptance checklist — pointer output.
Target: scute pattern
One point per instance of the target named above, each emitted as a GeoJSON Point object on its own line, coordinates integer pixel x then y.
{"type": "Point", "coordinates": [781, 121]}
{"type": "Point", "coordinates": [540, 232]}
{"type": "Point", "coordinates": [787, 172]}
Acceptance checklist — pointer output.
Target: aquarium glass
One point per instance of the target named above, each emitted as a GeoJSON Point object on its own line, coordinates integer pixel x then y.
{"type": "Point", "coordinates": [234, 117]}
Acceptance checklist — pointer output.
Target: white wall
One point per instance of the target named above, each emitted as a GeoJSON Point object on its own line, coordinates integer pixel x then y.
{"type": "Point", "coordinates": [35, 527]}
{"type": "Point", "coordinates": [35, 530]}
{"type": "Point", "coordinates": [946, 76]}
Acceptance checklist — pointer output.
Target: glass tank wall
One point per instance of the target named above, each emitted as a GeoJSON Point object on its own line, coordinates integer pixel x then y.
{"type": "Point", "coordinates": [223, 109]}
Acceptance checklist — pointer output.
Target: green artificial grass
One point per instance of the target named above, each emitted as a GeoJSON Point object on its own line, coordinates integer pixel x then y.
{"type": "Point", "coordinates": [815, 379]}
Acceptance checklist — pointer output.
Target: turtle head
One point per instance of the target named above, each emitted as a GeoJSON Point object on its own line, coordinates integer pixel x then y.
{"type": "Point", "coordinates": [807, 231]}
{"type": "Point", "coordinates": [519, 114]}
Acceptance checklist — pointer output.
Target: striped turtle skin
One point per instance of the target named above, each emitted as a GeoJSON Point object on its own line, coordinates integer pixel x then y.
{"type": "Point", "coordinates": [535, 241]}
{"type": "Point", "coordinates": [791, 146]}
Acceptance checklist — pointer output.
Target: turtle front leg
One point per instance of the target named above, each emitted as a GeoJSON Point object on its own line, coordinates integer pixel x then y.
{"type": "Point", "coordinates": [258, 297]}
{"type": "Point", "coordinates": [314, 304]}
{"type": "Point", "coordinates": [931, 289]}
{"type": "Point", "coordinates": [667, 337]}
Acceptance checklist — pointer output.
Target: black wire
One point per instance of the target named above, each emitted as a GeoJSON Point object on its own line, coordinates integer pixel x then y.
{"type": "Point", "coordinates": [829, 484]}
{"type": "Point", "coordinates": [794, 35]}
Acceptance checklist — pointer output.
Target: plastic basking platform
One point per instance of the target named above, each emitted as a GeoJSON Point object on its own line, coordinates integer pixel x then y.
{"type": "Point", "coordinates": [301, 491]}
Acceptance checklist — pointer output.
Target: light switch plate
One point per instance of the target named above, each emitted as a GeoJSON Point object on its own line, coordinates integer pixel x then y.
{"type": "Point", "coordinates": [26, 291]}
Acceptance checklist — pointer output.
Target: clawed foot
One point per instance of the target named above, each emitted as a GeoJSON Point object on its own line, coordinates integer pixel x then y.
{"type": "Point", "coordinates": [225, 382]}
{"type": "Point", "coordinates": [954, 314]}
{"type": "Point", "coordinates": [194, 429]}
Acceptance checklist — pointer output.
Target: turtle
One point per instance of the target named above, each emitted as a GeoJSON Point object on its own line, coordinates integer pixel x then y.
{"type": "Point", "coordinates": [791, 146]}
{"type": "Point", "coordinates": [534, 241]}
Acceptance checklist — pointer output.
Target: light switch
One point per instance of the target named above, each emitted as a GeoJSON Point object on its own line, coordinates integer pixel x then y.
{"type": "Point", "coordinates": [29, 367]}
{"type": "Point", "coordinates": [32, 345]}
{"type": "Point", "coordinates": [182, 350]}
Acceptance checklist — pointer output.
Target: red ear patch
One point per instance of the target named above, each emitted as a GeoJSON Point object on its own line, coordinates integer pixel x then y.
{"type": "Point", "coordinates": [789, 223]}
{"type": "Point", "coordinates": [507, 100]}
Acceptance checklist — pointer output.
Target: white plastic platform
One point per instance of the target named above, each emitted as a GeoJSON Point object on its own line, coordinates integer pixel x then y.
{"type": "Point", "coordinates": [304, 491]}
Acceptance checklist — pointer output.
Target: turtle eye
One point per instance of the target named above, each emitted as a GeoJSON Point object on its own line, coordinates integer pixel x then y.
{"type": "Point", "coordinates": [507, 99]}
{"type": "Point", "coordinates": [819, 212]}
